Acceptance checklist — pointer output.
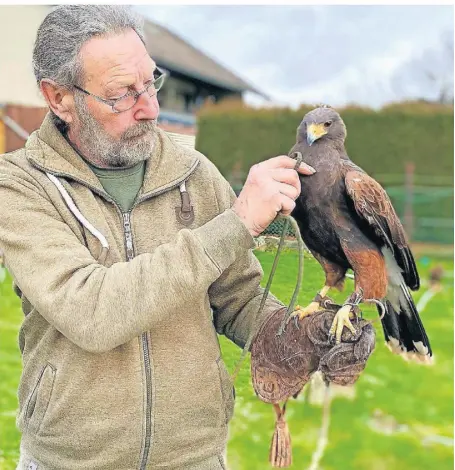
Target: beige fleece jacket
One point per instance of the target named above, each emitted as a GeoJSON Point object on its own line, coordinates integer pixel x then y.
{"type": "Point", "coordinates": [121, 360]}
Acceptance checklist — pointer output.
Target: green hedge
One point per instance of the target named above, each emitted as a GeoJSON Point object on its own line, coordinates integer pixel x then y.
{"type": "Point", "coordinates": [236, 137]}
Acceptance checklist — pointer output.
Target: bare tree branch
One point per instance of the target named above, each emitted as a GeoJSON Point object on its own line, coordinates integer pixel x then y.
{"type": "Point", "coordinates": [429, 76]}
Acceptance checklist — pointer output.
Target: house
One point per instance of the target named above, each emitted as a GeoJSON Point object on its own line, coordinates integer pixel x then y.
{"type": "Point", "coordinates": [193, 76]}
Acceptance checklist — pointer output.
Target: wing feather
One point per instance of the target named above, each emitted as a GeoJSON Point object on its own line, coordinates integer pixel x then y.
{"type": "Point", "coordinates": [372, 203]}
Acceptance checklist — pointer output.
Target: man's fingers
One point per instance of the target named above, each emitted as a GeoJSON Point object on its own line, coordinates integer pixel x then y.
{"type": "Point", "coordinates": [288, 190]}
{"type": "Point", "coordinates": [305, 169]}
{"type": "Point", "coordinates": [287, 207]}
{"type": "Point", "coordinates": [283, 161]}
{"type": "Point", "coordinates": [284, 204]}
{"type": "Point", "coordinates": [286, 175]}
{"type": "Point", "coordinates": [272, 187]}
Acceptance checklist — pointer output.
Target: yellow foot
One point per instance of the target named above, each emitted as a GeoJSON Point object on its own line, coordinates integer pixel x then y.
{"type": "Point", "coordinates": [313, 307]}
{"type": "Point", "coordinates": [342, 318]}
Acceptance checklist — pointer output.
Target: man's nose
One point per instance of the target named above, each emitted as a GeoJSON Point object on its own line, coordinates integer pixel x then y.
{"type": "Point", "coordinates": [147, 107]}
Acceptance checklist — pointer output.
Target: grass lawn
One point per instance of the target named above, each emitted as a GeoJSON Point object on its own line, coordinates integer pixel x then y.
{"type": "Point", "coordinates": [401, 417]}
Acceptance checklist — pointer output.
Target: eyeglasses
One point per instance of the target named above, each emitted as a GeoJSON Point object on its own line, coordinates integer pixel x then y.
{"type": "Point", "coordinates": [128, 100]}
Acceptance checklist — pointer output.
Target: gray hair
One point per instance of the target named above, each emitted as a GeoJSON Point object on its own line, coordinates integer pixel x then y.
{"type": "Point", "coordinates": [65, 30]}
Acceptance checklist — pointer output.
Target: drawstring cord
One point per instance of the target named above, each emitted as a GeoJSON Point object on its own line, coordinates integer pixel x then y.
{"type": "Point", "coordinates": [77, 213]}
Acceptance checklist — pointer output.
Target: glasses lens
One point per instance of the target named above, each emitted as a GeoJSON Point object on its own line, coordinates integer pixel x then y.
{"type": "Point", "coordinates": [155, 87]}
{"type": "Point", "coordinates": [125, 103]}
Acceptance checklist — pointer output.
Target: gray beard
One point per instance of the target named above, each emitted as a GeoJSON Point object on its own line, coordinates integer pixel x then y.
{"type": "Point", "coordinates": [134, 145]}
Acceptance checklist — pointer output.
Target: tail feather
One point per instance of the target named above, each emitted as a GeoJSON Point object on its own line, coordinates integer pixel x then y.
{"type": "Point", "coordinates": [403, 328]}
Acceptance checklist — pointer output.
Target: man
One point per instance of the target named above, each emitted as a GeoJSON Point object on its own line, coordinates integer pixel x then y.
{"type": "Point", "coordinates": [129, 253]}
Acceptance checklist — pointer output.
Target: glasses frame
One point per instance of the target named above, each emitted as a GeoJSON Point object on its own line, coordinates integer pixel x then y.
{"type": "Point", "coordinates": [163, 75]}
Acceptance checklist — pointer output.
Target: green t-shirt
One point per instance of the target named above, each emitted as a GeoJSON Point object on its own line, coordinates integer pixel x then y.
{"type": "Point", "coordinates": [122, 184]}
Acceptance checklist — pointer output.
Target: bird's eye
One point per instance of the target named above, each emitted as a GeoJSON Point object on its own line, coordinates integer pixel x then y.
{"type": "Point", "coordinates": [327, 123]}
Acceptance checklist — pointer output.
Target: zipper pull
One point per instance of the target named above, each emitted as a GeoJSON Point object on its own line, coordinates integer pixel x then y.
{"type": "Point", "coordinates": [186, 204]}
{"type": "Point", "coordinates": [126, 222]}
{"type": "Point", "coordinates": [185, 212]}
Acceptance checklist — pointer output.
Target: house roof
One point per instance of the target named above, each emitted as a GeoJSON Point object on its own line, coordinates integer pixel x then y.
{"type": "Point", "coordinates": [172, 52]}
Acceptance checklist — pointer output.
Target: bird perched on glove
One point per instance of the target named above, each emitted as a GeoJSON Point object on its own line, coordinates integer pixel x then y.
{"type": "Point", "coordinates": [347, 221]}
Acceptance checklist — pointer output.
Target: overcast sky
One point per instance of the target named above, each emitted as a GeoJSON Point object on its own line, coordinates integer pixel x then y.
{"type": "Point", "coordinates": [369, 55]}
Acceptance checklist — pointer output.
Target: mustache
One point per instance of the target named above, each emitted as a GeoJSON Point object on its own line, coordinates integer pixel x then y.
{"type": "Point", "coordinates": [139, 129]}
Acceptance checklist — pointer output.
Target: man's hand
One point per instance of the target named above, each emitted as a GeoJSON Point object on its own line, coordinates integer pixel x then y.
{"type": "Point", "coordinates": [272, 186]}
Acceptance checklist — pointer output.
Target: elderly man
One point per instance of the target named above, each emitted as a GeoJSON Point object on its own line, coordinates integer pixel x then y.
{"type": "Point", "coordinates": [129, 253]}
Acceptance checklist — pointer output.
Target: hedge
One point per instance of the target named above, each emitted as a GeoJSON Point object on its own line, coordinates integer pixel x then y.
{"type": "Point", "coordinates": [235, 137]}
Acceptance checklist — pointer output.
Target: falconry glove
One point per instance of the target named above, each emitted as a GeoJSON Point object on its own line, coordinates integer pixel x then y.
{"type": "Point", "coordinates": [282, 364]}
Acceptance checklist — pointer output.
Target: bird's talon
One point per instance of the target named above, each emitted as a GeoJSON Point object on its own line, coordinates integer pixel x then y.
{"type": "Point", "coordinates": [308, 310]}
{"type": "Point", "coordinates": [341, 320]}
{"type": "Point", "coordinates": [296, 322]}
{"type": "Point", "coordinates": [329, 304]}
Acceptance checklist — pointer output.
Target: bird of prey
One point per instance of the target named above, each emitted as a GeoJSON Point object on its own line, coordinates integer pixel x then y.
{"type": "Point", "coordinates": [347, 222]}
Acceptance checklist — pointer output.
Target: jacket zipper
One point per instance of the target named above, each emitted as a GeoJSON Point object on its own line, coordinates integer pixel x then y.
{"type": "Point", "coordinates": [145, 350]}
{"type": "Point", "coordinates": [128, 235]}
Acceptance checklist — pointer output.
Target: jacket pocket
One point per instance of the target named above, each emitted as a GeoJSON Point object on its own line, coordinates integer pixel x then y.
{"type": "Point", "coordinates": [227, 390]}
{"type": "Point", "coordinates": [39, 399]}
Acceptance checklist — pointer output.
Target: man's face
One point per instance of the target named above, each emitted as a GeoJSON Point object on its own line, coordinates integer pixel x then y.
{"type": "Point", "coordinates": [113, 66]}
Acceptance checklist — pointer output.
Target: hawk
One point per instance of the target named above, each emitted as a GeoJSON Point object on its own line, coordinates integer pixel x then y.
{"type": "Point", "coordinates": [347, 221]}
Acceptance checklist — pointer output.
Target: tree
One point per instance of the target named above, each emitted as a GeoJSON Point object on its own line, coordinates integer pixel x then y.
{"type": "Point", "coordinates": [428, 76]}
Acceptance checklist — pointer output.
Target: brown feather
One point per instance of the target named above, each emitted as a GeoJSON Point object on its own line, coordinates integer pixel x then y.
{"type": "Point", "coordinates": [372, 203]}
{"type": "Point", "coordinates": [369, 270]}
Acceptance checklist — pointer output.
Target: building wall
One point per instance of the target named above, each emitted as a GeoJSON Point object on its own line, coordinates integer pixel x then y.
{"type": "Point", "coordinates": [184, 94]}
{"type": "Point", "coordinates": [18, 27]}
{"type": "Point", "coordinates": [29, 118]}
{"type": "Point", "coordinates": [172, 95]}
{"type": "Point", "coordinates": [2, 138]}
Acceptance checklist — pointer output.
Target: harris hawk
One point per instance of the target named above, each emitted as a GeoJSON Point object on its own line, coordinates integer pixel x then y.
{"type": "Point", "coordinates": [347, 222]}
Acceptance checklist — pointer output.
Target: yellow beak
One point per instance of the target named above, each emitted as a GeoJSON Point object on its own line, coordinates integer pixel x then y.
{"type": "Point", "coordinates": [314, 132]}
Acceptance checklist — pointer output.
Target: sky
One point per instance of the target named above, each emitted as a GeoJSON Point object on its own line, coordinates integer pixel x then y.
{"type": "Point", "coordinates": [368, 55]}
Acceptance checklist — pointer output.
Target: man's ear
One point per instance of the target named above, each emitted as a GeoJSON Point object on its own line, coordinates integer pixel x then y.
{"type": "Point", "coordinates": [59, 99]}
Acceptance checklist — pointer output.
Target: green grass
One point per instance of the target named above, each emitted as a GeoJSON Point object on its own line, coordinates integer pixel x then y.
{"type": "Point", "coordinates": [10, 369]}
{"type": "Point", "coordinates": [417, 397]}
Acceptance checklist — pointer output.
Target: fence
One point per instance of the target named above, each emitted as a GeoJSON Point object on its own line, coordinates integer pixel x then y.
{"type": "Point", "coordinates": [431, 217]}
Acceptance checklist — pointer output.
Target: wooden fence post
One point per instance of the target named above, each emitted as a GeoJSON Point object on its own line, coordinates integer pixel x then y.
{"type": "Point", "coordinates": [409, 199]}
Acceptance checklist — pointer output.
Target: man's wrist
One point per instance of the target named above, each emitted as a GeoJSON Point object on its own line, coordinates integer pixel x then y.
{"type": "Point", "coordinates": [250, 227]}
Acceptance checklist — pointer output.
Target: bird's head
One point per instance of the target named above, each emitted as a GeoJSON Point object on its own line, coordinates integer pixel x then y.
{"type": "Point", "coordinates": [322, 123]}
